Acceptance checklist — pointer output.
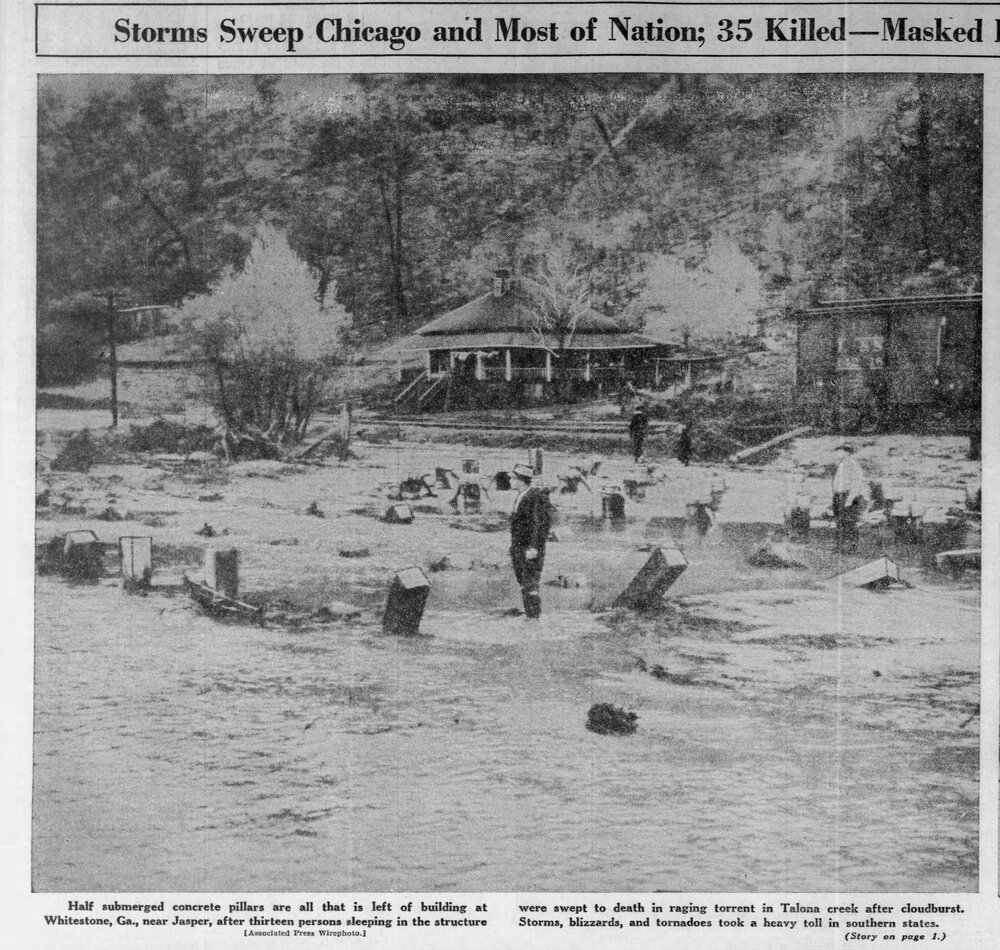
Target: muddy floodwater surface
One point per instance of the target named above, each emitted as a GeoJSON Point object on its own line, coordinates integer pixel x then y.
{"type": "Point", "coordinates": [794, 733]}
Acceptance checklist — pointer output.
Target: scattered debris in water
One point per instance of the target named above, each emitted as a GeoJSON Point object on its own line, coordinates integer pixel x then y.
{"type": "Point", "coordinates": [482, 525]}
{"type": "Point", "coordinates": [608, 720]}
{"type": "Point", "coordinates": [774, 555]}
{"type": "Point", "coordinates": [875, 575]}
{"type": "Point", "coordinates": [398, 514]}
{"type": "Point", "coordinates": [678, 679]}
{"type": "Point", "coordinates": [206, 531]}
{"type": "Point", "coordinates": [355, 552]}
{"type": "Point", "coordinates": [315, 510]}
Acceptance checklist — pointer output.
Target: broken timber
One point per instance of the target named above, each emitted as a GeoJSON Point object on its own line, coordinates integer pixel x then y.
{"type": "Point", "coordinates": [637, 580]}
{"type": "Point", "coordinates": [877, 574]}
{"type": "Point", "coordinates": [220, 606]}
{"type": "Point", "coordinates": [745, 454]}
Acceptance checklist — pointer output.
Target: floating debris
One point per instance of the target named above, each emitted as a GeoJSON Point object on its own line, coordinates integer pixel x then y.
{"type": "Point", "coordinates": [775, 555]}
{"type": "Point", "coordinates": [355, 552]}
{"type": "Point", "coordinates": [399, 514]}
{"type": "Point", "coordinates": [678, 679]}
{"type": "Point", "coordinates": [315, 510]}
{"type": "Point", "coordinates": [206, 531]}
{"type": "Point", "coordinates": [221, 607]}
{"type": "Point", "coordinates": [608, 720]}
{"type": "Point", "coordinates": [570, 581]}
{"type": "Point", "coordinates": [878, 574]}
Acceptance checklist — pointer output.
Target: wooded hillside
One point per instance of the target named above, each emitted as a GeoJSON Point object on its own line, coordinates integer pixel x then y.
{"type": "Point", "coordinates": [403, 193]}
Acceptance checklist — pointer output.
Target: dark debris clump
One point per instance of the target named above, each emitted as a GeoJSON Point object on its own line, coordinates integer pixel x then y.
{"type": "Point", "coordinates": [608, 720]}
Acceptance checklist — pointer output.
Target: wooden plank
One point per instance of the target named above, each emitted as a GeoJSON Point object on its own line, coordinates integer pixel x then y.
{"type": "Point", "coordinates": [769, 444]}
{"type": "Point", "coordinates": [409, 388]}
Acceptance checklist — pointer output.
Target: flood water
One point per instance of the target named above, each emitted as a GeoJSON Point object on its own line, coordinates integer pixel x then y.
{"type": "Point", "coordinates": [798, 738]}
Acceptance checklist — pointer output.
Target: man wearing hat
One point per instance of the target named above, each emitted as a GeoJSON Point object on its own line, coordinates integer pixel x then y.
{"type": "Point", "coordinates": [530, 523]}
{"type": "Point", "coordinates": [848, 503]}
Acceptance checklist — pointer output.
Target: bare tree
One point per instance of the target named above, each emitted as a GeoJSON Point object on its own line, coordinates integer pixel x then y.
{"type": "Point", "coordinates": [560, 291]}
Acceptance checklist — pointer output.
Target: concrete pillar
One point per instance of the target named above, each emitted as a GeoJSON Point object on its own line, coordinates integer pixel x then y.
{"type": "Point", "coordinates": [508, 374]}
{"type": "Point", "coordinates": [136, 560]}
{"type": "Point", "coordinates": [480, 372]}
{"type": "Point", "coordinates": [586, 370]}
{"type": "Point", "coordinates": [405, 603]}
{"type": "Point", "coordinates": [222, 571]}
{"type": "Point", "coordinates": [548, 366]}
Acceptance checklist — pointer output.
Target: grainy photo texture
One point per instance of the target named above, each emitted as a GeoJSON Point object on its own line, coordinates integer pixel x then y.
{"type": "Point", "coordinates": [459, 483]}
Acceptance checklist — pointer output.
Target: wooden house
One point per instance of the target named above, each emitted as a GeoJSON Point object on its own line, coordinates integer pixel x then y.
{"type": "Point", "coordinates": [493, 349]}
{"type": "Point", "coordinates": [895, 355]}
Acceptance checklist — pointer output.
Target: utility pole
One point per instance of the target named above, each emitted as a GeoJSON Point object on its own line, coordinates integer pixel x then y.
{"type": "Point", "coordinates": [112, 352]}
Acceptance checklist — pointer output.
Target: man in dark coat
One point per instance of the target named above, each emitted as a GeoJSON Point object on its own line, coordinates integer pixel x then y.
{"type": "Point", "coordinates": [637, 430]}
{"type": "Point", "coordinates": [530, 523]}
{"type": "Point", "coordinates": [683, 449]}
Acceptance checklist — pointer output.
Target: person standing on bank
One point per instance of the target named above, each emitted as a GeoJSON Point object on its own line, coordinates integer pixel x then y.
{"type": "Point", "coordinates": [530, 523]}
{"type": "Point", "coordinates": [848, 503]}
{"type": "Point", "coordinates": [637, 430]}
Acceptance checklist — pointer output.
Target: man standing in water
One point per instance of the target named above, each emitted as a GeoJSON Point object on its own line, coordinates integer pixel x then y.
{"type": "Point", "coordinates": [848, 503]}
{"type": "Point", "coordinates": [637, 430]}
{"type": "Point", "coordinates": [530, 524]}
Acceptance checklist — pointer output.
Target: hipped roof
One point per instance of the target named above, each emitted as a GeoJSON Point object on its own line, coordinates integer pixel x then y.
{"type": "Point", "coordinates": [509, 320]}
{"type": "Point", "coordinates": [512, 311]}
{"type": "Point", "coordinates": [523, 340]}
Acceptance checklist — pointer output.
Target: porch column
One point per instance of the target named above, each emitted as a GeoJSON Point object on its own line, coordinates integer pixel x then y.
{"type": "Point", "coordinates": [427, 354]}
{"type": "Point", "coordinates": [508, 375]}
{"type": "Point", "coordinates": [656, 384]}
{"type": "Point", "coordinates": [399, 366]}
{"type": "Point", "coordinates": [451, 355]}
{"type": "Point", "coordinates": [586, 368]}
{"type": "Point", "coordinates": [548, 366]}
{"type": "Point", "coordinates": [480, 375]}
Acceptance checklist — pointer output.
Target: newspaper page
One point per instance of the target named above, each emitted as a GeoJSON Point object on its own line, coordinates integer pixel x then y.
{"type": "Point", "coordinates": [504, 474]}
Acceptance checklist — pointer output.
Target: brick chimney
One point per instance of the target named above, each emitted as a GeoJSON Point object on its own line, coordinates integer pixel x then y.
{"type": "Point", "coordinates": [501, 281]}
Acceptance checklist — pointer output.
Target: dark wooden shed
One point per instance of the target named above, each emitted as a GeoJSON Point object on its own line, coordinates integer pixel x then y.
{"type": "Point", "coordinates": [893, 355]}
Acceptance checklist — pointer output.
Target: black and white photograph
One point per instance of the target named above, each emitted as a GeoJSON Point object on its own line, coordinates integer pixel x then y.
{"type": "Point", "coordinates": [508, 483]}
